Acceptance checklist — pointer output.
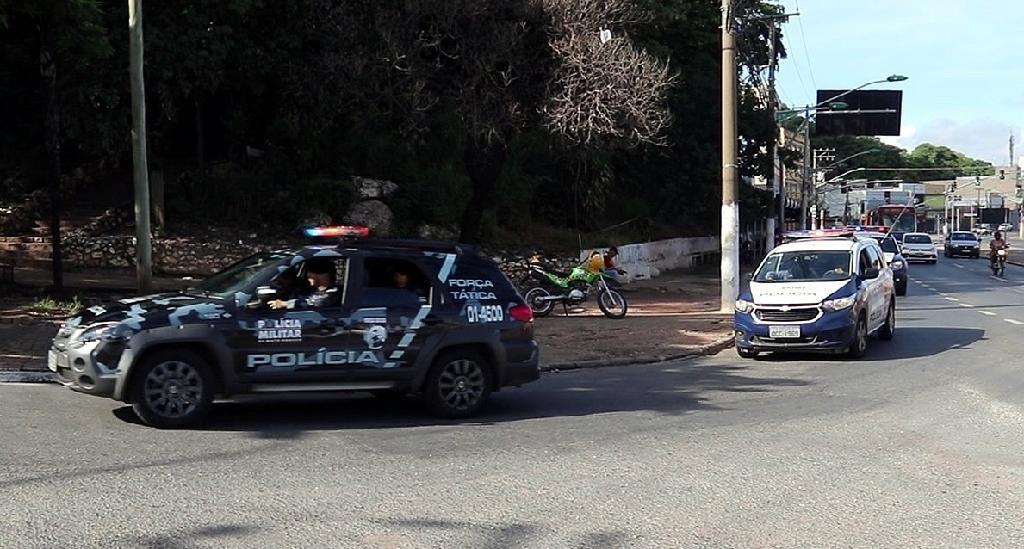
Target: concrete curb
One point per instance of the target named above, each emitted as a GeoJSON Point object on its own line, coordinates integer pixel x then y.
{"type": "Point", "coordinates": [707, 349]}
{"type": "Point", "coordinates": [27, 377]}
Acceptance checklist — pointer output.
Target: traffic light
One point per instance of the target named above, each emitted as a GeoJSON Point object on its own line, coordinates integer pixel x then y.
{"type": "Point", "coordinates": [1002, 174]}
{"type": "Point", "coordinates": [888, 196]}
{"type": "Point", "coordinates": [977, 181]}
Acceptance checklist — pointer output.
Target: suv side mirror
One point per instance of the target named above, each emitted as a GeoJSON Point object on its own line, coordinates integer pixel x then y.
{"type": "Point", "coordinates": [870, 274]}
{"type": "Point", "coordinates": [263, 295]}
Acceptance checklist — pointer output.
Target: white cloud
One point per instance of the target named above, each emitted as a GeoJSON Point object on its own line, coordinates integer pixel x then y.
{"type": "Point", "coordinates": [985, 139]}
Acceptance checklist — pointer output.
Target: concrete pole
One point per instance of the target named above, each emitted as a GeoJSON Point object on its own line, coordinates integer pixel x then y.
{"type": "Point", "coordinates": [140, 171]}
{"type": "Point", "coordinates": [772, 222]}
{"type": "Point", "coordinates": [807, 172]}
{"type": "Point", "coordinates": [730, 143]}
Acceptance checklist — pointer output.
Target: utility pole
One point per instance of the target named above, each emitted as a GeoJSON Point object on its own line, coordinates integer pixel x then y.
{"type": "Point", "coordinates": [140, 169]}
{"type": "Point", "coordinates": [730, 211]}
{"type": "Point", "coordinates": [807, 170]}
{"type": "Point", "coordinates": [777, 182]}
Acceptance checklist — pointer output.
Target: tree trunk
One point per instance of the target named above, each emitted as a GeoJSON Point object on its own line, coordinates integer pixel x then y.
{"type": "Point", "coordinates": [483, 166]}
{"type": "Point", "coordinates": [51, 144]}
{"type": "Point", "coordinates": [200, 141]}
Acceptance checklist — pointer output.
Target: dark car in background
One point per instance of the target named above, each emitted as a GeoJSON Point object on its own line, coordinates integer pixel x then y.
{"type": "Point", "coordinates": [962, 243]}
{"type": "Point", "coordinates": [894, 258]}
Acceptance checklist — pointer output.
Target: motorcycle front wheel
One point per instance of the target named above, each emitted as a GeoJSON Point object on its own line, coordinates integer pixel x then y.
{"type": "Point", "coordinates": [540, 307]}
{"type": "Point", "coordinates": [612, 304]}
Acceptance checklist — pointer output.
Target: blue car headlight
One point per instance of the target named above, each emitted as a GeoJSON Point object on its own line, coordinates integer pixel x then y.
{"type": "Point", "coordinates": [112, 331]}
{"type": "Point", "coordinates": [839, 303]}
{"type": "Point", "coordinates": [744, 306]}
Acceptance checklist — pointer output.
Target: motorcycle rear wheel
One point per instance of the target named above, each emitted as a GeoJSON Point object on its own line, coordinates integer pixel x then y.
{"type": "Point", "coordinates": [539, 307]}
{"type": "Point", "coordinates": [612, 304]}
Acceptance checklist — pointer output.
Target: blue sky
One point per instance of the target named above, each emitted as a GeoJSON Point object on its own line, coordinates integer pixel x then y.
{"type": "Point", "coordinates": [963, 57]}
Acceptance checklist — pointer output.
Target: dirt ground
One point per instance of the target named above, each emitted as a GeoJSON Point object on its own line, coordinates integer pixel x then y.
{"type": "Point", "coordinates": [667, 316]}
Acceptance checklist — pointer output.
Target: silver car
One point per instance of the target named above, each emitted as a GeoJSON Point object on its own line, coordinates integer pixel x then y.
{"type": "Point", "coordinates": [919, 247]}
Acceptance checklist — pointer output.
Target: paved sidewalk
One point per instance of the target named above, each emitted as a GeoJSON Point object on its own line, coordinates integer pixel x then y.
{"type": "Point", "coordinates": [23, 347]}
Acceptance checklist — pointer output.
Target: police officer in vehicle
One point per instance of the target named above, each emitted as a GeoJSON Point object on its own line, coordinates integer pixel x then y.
{"type": "Point", "coordinates": [322, 290]}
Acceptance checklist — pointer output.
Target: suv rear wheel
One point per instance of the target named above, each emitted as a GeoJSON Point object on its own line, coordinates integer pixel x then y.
{"type": "Point", "coordinates": [459, 384]}
{"type": "Point", "coordinates": [172, 389]}
{"type": "Point", "coordinates": [888, 330]}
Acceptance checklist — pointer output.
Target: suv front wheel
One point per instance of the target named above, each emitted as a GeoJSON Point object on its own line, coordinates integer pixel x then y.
{"type": "Point", "coordinates": [459, 384]}
{"type": "Point", "coordinates": [172, 389]}
{"type": "Point", "coordinates": [859, 345]}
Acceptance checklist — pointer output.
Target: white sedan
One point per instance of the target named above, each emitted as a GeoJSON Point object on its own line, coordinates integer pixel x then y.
{"type": "Point", "coordinates": [919, 247]}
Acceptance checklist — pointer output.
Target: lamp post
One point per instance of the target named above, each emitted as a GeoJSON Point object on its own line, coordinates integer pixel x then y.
{"type": "Point", "coordinates": [832, 103]}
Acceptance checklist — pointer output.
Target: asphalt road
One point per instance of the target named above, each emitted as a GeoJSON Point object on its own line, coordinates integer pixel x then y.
{"type": "Point", "coordinates": [918, 444]}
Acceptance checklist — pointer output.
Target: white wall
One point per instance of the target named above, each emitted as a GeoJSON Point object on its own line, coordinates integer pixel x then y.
{"type": "Point", "coordinates": [649, 259]}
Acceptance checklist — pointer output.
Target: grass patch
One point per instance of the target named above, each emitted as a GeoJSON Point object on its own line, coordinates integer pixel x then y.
{"type": "Point", "coordinates": [50, 305]}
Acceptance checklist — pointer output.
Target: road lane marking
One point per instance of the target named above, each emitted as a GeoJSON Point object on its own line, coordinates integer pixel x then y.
{"type": "Point", "coordinates": [958, 266]}
{"type": "Point", "coordinates": [987, 313]}
{"type": "Point", "coordinates": [951, 299]}
{"type": "Point", "coordinates": [1014, 322]}
{"type": "Point", "coordinates": [997, 278]}
{"type": "Point", "coordinates": [966, 305]}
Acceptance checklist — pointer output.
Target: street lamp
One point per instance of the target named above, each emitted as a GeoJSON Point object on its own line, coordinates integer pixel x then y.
{"type": "Point", "coordinates": [806, 127]}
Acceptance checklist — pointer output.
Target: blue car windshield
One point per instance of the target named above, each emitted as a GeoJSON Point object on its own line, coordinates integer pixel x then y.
{"type": "Point", "coordinates": [805, 266]}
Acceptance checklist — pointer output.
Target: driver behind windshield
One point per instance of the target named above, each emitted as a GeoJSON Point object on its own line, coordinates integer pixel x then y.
{"type": "Point", "coordinates": [322, 290]}
{"type": "Point", "coordinates": [837, 269]}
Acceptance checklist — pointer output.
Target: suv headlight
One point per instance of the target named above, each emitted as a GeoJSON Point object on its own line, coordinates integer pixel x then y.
{"type": "Point", "coordinates": [896, 265]}
{"type": "Point", "coordinates": [114, 331]}
{"type": "Point", "coordinates": [839, 303]}
{"type": "Point", "coordinates": [744, 306]}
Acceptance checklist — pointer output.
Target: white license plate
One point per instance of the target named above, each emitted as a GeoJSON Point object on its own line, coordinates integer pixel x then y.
{"type": "Point", "coordinates": [784, 331]}
{"type": "Point", "coordinates": [51, 360]}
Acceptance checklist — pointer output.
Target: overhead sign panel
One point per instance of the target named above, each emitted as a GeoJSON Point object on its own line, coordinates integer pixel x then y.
{"type": "Point", "coordinates": [866, 112]}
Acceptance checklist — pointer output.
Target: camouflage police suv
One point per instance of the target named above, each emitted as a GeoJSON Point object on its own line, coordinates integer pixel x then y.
{"type": "Point", "coordinates": [389, 317]}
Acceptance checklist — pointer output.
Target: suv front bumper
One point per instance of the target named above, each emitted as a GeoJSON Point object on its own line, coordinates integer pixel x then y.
{"type": "Point", "coordinates": [832, 332]}
{"type": "Point", "coordinates": [83, 369]}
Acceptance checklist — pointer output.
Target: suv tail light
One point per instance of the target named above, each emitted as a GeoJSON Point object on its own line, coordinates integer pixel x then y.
{"type": "Point", "coordinates": [522, 313]}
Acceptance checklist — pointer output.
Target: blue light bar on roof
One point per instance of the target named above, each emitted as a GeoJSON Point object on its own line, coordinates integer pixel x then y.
{"type": "Point", "coordinates": [357, 231]}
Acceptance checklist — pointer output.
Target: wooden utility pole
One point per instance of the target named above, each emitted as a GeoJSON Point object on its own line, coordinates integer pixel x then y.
{"type": "Point", "coordinates": [730, 143]}
{"type": "Point", "coordinates": [51, 141]}
{"type": "Point", "coordinates": [140, 171]}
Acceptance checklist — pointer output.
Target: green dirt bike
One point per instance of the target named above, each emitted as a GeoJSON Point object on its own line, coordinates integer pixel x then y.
{"type": "Point", "coordinates": [546, 287]}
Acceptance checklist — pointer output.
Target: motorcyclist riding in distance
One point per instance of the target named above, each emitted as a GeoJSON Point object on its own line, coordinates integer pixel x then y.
{"type": "Point", "coordinates": [997, 243]}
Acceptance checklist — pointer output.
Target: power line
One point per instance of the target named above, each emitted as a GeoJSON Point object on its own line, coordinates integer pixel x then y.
{"type": "Point", "coordinates": [799, 75]}
{"type": "Point", "coordinates": [807, 55]}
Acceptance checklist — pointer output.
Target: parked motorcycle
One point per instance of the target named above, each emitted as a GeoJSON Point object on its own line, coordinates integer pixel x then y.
{"type": "Point", "coordinates": [549, 287]}
{"type": "Point", "coordinates": [999, 263]}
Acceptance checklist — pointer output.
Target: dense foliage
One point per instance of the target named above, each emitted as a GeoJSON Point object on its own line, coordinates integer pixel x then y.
{"type": "Point", "coordinates": [499, 119]}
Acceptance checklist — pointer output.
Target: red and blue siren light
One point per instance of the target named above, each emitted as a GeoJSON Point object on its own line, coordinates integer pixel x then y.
{"type": "Point", "coordinates": [338, 231]}
{"type": "Point", "coordinates": [819, 233]}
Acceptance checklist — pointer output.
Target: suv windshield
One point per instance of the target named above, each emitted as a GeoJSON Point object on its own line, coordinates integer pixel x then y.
{"type": "Point", "coordinates": [917, 239]}
{"type": "Point", "coordinates": [805, 266]}
{"type": "Point", "coordinates": [888, 245]}
{"type": "Point", "coordinates": [236, 277]}
{"type": "Point", "coordinates": [964, 236]}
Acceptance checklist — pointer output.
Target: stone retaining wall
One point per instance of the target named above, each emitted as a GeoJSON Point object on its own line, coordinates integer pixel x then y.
{"type": "Point", "coordinates": [173, 256]}
{"type": "Point", "coordinates": [186, 256]}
